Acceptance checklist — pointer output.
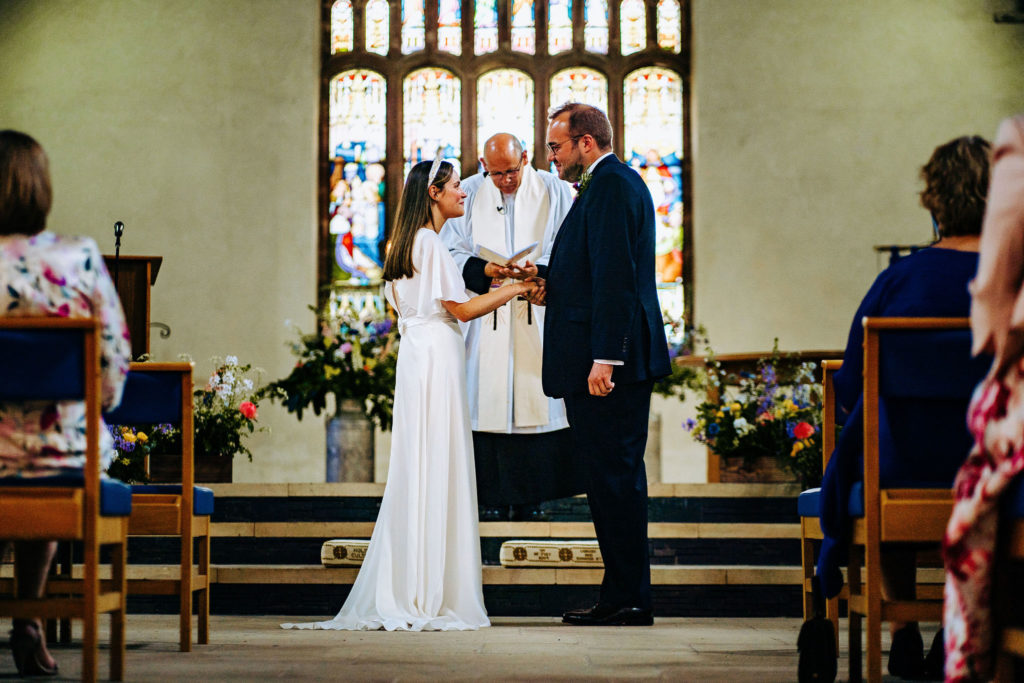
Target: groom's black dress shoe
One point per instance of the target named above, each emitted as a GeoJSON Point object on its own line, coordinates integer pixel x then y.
{"type": "Point", "coordinates": [599, 615]}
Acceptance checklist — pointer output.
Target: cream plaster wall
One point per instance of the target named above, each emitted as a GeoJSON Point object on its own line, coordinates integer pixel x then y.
{"type": "Point", "coordinates": [194, 122]}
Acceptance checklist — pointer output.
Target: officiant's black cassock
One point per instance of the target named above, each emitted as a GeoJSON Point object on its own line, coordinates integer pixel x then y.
{"type": "Point", "coordinates": [603, 305]}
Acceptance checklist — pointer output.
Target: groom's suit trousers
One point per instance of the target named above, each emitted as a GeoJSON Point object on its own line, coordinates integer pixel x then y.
{"type": "Point", "coordinates": [610, 435]}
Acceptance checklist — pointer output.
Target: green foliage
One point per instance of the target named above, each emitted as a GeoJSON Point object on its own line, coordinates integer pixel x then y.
{"type": "Point", "coordinates": [352, 355]}
{"type": "Point", "coordinates": [133, 445]}
{"type": "Point", "coordinates": [682, 340]}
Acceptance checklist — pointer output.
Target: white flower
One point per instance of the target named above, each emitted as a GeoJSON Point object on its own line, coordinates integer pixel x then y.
{"type": "Point", "coordinates": [247, 383]}
{"type": "Point", "coordinates": [214, 379]}
{"type": "Point", "coordinates": [741, 426]}
{"type": "Point", "coordinates": [231, 360]}
{"type": "Point", "coordinates": [228, 378]}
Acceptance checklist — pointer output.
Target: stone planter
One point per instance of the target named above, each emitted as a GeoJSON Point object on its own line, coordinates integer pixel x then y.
{"type": "Point", "coordinates": [349, 444]}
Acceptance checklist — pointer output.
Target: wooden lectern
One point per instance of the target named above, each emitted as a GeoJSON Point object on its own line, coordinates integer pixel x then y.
{"type": "Point", "coordinates": [134, 276]}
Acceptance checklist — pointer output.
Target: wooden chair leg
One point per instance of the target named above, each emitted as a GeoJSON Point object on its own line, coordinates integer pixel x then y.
{"type": "Point", "coordinates": [854, 618]}
{"type": "Point", "coordinates": [185, 595]}
{"type": "Point", "coordinates": [119, 582]}
{"type": "Point", "coordinates": [872, 590]}
{"type": "Point", "coordinates": [807, 566]}
{"type": "Point", "coordinates": [90, 617]}
{"type": "Point", "coordinates": [832, 614]}
{"type": "Point", "coordinates": [204, 593]}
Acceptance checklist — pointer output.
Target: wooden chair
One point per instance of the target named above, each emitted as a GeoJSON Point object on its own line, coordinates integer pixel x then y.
{"type": "Point", "coordinates": [162, 393]}
{"type": "Point", "coordinates": [921, 364]}
{"type": "Point", "coordinates": [808, 501]}
{"type": "Point", "coordinates": [59, 359]}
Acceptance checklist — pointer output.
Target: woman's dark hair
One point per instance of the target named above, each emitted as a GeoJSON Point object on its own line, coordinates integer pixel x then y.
{"type": "Point", "coordinates": [25, 193]}
{"type": "Point", "coordinates": [413, 214]}
{"type": "Point", "coordinates": [956, 184]}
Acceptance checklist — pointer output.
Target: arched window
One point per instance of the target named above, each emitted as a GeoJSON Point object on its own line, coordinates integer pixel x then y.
{"type": "Point", "coordinates": [404, 77]}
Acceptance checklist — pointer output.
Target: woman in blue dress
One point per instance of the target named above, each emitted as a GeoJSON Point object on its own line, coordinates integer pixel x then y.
{"type": "Point", "coordinates": [931, 282]}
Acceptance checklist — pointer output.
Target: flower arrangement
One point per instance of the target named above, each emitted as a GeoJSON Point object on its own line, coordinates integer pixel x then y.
{"type": "Point", "coordinates": [133, 446]}
{"type": "Point", "coordinates": [682, 340]}
{"type": "Point", "coordinates": [773, 411]}
{"type": "Point", "coordinates": [226, 410]}
{"type": "Point", "coordinates": [352, 355]}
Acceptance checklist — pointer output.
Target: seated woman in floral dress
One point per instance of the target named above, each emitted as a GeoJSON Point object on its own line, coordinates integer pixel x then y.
{"type": "Point", "coordinates": [42, 273]}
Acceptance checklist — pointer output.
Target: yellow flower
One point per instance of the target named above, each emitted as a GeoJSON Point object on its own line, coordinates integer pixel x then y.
{"type": "Point", "coordinates": [797, 447]}
{"type": "Point", "coordinates": [330, 372]}
{"type": "Point", "coordinates": [719, 414]}
{"type": "Point", "coordinates": [128, 436]}
{"type": "Point", "coordinates": [141, 436]}
{"type": "Point", "coordinates": [735, 407]}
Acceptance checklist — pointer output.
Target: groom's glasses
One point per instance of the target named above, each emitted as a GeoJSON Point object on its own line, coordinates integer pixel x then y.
{"type": "Point", "coordinates": [501, 175]}
{"type": "Point", "coordinates": [555, 146]}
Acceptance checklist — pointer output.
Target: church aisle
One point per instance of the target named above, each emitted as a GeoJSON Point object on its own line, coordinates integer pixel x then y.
{"type": "Point", "coordinates": [250, 648]}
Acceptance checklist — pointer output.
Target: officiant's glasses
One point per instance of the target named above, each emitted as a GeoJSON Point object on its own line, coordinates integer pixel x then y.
{"type": "Point", "coordinates": [555, 146]}
{"type": "Point", "coordinates": [501, 175]}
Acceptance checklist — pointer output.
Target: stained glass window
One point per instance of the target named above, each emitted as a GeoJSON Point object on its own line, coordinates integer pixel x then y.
{"type": "Point", "coordinates": [524, 33]}
{"type": "Point", "coordinates": [449, 26]}
{"type": "Point", "coordinates": [632, 26]}
{"type": "Point", "coordinates": [377, 21]}
{"type": "Point", "coordinates": [652, 109]}
{"type": "Point", "coordinates": [559, 26]}
{"type": "Point", "coordinates": [595, 30]}
{"type": "Point", "coordinates": [342, 29]}
{"type": "Point", "coordinates": [669, 26]}
{"type": "Point", "coordinates": [485, 31]}
{"type": "Point", "coordinates": [357, 137]}
{"type": "Point", "coordinates": [579, 85]}
{"type": "Point", "coordinates": [414, 28]}
{"type": "Point", "coordinates": [433, 112]}
{"type": "Point", "coordinates": [504, 105]}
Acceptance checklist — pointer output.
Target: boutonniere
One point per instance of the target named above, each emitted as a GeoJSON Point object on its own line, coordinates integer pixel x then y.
{"type": "Point", "coordinates": [581, 184]}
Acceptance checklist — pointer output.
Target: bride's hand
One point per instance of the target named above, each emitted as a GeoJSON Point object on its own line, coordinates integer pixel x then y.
{"type": "Point", "coordinates": [539, 294]}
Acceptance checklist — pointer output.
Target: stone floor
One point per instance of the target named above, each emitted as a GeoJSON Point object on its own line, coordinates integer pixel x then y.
{"type": "Point", "coordinates": [515, 649]}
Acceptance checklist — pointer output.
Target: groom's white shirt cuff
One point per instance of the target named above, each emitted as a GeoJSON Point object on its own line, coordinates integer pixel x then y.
{"type": "Point", "coordinates": [609, 362]}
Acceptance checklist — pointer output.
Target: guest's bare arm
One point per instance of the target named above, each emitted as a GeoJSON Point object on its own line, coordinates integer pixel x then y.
{"type": "Point", "coordinates": [485, 303]}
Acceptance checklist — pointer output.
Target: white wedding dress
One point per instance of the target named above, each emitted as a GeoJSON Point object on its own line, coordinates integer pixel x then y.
{"type": "Point", "coordinates": [422, 568]}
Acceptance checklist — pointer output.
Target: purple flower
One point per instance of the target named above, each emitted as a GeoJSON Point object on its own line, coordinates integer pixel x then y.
{"type": "Point", "coordinates": [689, 424]}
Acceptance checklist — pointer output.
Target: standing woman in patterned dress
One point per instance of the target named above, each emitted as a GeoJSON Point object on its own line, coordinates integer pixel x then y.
{"type": "Point", "coordinates": [42, 273]}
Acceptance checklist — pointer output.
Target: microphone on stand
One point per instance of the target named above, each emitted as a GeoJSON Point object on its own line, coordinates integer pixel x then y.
{"type": "Point", "coordinates": [118, 231]}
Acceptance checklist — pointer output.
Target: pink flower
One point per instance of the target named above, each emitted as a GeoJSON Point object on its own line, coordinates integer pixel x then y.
{"type": "Point", "coordinates": [248, 408]}
{"type": "Point", "coordinates": [346, 347]}
{"type": "Point", "coordinates": [802, 430]}
{"type": "Point", "coordinates": [53, 277]}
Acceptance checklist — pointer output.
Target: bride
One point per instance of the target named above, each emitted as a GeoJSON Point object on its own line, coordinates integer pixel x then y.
{"type": "Point", "coordinates": [422, 568]}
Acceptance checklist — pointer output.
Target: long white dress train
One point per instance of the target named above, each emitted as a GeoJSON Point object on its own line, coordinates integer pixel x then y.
{"type": "Point", "coordinates": [422, 568]}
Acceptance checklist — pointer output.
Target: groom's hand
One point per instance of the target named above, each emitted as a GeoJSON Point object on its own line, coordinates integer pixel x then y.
{"type": "Point", "coordinates": [537, 297]}
{"type": "Point", "coordinates": [600, 381]}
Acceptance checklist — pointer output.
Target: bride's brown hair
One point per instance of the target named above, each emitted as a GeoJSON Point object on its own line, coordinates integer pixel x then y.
{"type": "Point", "coordinates": [413, 214]}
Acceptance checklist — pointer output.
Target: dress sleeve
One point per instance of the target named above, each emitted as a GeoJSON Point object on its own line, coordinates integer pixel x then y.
{"type": "Point", "coordinates": [115, 343]}
{"type": "Point", "coordinates": [439, 277]}
{"type": "Point", "coordinates": [997, 304]}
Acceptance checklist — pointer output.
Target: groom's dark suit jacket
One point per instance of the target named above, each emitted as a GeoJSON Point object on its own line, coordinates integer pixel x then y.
{"type": "Point", "coordinates": [602, 302]}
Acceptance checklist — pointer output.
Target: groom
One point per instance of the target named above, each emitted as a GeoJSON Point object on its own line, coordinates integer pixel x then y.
{"type": "Point", "coordinates": [604, 345]}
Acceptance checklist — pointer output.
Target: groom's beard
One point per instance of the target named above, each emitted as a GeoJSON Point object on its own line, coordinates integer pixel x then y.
{"type": "Point", "coordinates": [572, 173]}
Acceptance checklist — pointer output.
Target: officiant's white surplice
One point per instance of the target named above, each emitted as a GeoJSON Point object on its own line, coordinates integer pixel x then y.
{"type": "Point", "coordinates": [504, 348]}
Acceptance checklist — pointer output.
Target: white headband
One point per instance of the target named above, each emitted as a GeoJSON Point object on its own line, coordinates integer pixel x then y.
{"type": "Point", "coordinates": [435, 166]}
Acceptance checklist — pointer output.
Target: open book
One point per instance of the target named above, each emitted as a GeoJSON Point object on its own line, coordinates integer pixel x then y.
{"type": "Point", "coordinates": [495, 257]}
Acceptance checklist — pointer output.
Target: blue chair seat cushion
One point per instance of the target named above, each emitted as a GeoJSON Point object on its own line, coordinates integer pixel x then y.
{"type": "Point", "coordinates": [808, 504]}
{"type": "Point", "coordinates": [115, 495]}
{"type": "Point", "coordinates": [202, 497]}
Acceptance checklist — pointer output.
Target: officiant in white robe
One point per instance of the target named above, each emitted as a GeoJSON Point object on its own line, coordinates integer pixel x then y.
{"type": "Point", "coordinates": [521, 438]}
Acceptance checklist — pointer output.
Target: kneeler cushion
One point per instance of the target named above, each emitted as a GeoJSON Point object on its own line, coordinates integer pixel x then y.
{"type": "Point", "coordinates": [553, 553]}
